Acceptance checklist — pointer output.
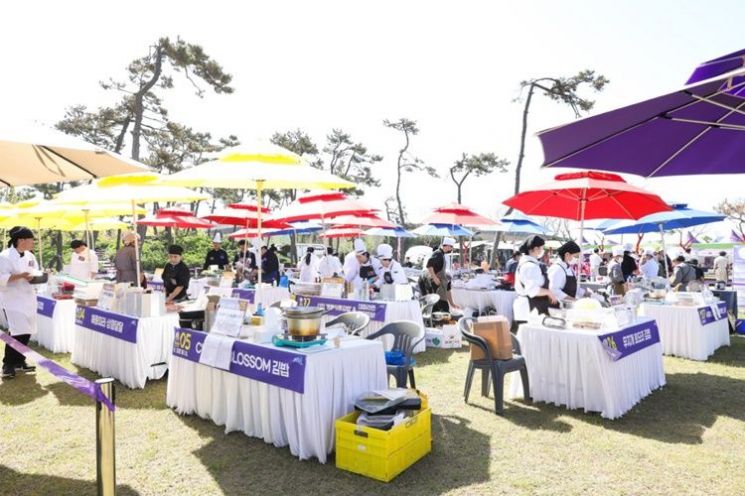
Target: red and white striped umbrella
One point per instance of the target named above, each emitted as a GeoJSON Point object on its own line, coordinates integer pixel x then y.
{"type": "Point", "coordinates": [323, 206]}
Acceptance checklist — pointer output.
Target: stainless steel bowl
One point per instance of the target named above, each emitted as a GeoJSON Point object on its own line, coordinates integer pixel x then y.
{"type": "Point", "coordinates": [304, 321]}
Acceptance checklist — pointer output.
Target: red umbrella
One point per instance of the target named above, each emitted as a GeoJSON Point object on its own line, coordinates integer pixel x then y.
{"type": "Point", "coordinates": [364, 220]}
{"type": "Point", "coordinates": [179, 221]}
{"type": "Point", "coordinates": [458, 215]}
{"type": "Point", "coordinates": [323, 206]}
{"type": "Point", "coordinates": [588, 195]}
{"type": "Point", "coordinates": [174, 212]}
{"type": "Point", "coordinates": [243, 217]}
{"type": "Point", "coordinates": [343, 232]}
{"type": "Point", "coordinates": [249, 206]}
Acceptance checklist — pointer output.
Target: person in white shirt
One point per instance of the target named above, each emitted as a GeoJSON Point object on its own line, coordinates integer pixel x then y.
{"type": "Point", "coordinates": [17, 268]}
{"type": "Point", "coordinates": [531, 283]}
{"type": "Point", "coordinates": [330, 266]}
{"type": "Point", "coordinates": [359, 266]}
{"type": "Point", "coordinates": [615, 273]}
{"type": "Point", "coordinates": [562, 280]}
{"type": "Point", "coordinates": [595, 262]}
{"type": "Point", "coordinates": [391, 271]}
{"type": "Point", "coordinates": [721, 264]}
{"type": "Point", "coordinates": [308, 266]}
{"type": "Point", "coordinates": [650, 268]}
{"type": "Point", "coordinates": [83, 262]}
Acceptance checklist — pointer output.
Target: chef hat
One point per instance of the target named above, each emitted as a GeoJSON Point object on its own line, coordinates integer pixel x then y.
{"type": "Point", "coordinates": [217, 238]}
{"type": "Point", "coordinates": [648, 251]}
{"type": "Point", "coordinates": [359, 246]}
{"type": "Point", "coordinates": [617, 250]}
{"type": "Point", "coordinates": [628, 247]}
{"type": "Point", "coordinates": [448, 242]}
{"type": "Point", "coordinates": [385, 251]}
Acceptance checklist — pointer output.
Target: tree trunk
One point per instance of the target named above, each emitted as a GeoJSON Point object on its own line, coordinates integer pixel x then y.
{"type": "Point", "coordinates": [399, 169]}
{"type": "Point", "coordinates": [139, 105]}
{"type": "Point", "coordinates": [59, 252]}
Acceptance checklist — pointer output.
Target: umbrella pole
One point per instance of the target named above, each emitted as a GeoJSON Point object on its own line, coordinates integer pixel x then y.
{"type": "Point", "coordinates": [259, 185]}
{"type": "Point", "coordinates": [245, 249]}
{"type": "Point", "coordinates": [664, 252]}
{"type": "Point", "coordinates": [583, 203]}
{"type": "Point", "coordinates": [137, 246]}
{"type": "Point", "coordinates": [88, 239]}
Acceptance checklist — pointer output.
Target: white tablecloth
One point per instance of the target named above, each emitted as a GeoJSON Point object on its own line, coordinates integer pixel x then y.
{"type": "Point", "coordinates": [481, 300]}
{"type": "Point", "coordinates": [395, 310]}
{"type": "Point", "coordinates": [132, 364]}
{"type": "Point", "coordinates": [570, 367]}
{"type": "Point", "coordinates": [682, 334]}
{"type": "Point", "coordinates": [333, 380]}
{"type": "Point", "coordinates": [57, 334]}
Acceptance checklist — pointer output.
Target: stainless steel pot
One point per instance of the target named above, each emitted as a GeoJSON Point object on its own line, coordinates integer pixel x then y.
{"type": "Point", "coordinates": [304, 321]}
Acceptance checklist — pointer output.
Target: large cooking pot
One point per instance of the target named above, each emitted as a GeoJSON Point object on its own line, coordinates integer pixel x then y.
{"type": "Point", "coordinates": [304, 321]}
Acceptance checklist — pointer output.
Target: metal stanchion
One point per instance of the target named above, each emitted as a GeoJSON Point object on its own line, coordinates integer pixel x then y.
{"type": "Point", "coordinates": [105, 441]}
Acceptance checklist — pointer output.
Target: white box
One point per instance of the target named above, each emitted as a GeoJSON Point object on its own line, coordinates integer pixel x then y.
{"type": "Point", "coordinates": [446, 337]}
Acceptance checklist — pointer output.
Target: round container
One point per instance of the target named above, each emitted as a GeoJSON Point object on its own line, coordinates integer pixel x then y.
{"type": "Point", "coordinates": [304, 321]}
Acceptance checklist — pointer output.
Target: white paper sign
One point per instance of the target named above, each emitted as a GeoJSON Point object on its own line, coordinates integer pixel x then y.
{"type": "Point", "coordinates": [107, 298]}
{"type": "Point", "coordinates": [229, 318]}
{"type": "Point", "coordinates": [216, 351]}
{"type": "Point", "coordinates": [332, 290]}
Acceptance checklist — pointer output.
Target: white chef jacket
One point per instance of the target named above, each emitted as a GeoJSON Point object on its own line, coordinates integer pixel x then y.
{"type": "Point", "coordinates": [557, 279]}
{"type": "Point", "coordinates": [720, 268]}
{"type": "Point", "coordinates": [595, 261]}
{"type": "Point", "coordinates": [83, 264]}
{"type": "Point", "coordinates": [18, 297]}
{"type": "Point", "coordinates": [650, 268]}
{"type": "Point", "coordinates": [329, 266]}
{"type": "Point", "coordinates": [352, 268]}
{"type": "Point", "coordinates": [396, 271]}
{"type": "Point", "coordinates": [528, 282]}
{"type": "Point", "coordinates": [308, 272]}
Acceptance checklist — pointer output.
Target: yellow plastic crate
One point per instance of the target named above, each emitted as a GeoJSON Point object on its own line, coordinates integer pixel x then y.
{"type": "Point", "coordinates": [379, 454]}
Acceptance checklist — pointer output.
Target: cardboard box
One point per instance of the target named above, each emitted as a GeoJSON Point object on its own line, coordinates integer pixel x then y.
{"type": "Point", "coordinates": [447, 336]}
{"type": "Point", "coordinates": [496, 331]}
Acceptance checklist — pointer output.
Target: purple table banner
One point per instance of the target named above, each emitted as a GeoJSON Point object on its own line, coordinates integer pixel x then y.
{"type": "Point", "coordinates": [629, 340]}
{"type": "Point", "coordinates": [45, 306]}
{"type": "Point", "coordinates": [336, 306]}
{"type": "Point", "coordinates": [80, 383]}
{"type": "Point", "coordinates": [156, 286]}
{"type": "Point", "coordinates": [707, 315]}
{"type": "Point", "coordinates": [244, 294]}
{"type": "Point", "coordinates": [265, 364]}
{"type": "Point", "coordinates": [112, 324]}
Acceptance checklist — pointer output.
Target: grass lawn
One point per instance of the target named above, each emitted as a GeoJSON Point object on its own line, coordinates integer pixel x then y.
{"type": "Point", "coordinates": [687, 438]}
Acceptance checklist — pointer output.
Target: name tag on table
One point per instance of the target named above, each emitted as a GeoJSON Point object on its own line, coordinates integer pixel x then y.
{"type": "Point", "coordinates": [627, 341]}
{"type": "Point", "coordinates": [109, 323]}
{"type": "Point", "coordinates": [338, 306]}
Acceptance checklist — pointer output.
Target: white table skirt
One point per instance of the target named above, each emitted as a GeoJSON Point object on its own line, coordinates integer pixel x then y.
{"type": "Point", "coordinates": [481, 300]}
{"type": "Point", "coordinates": [57, 334]}
{"type": "Point", "coordinates": [272, 295]}
{"type": "Point", "coordinates": [395, 310]}
{"type": "Point", "coordinates": [682, 334]}
{"type": "Point", "coordinates": [304, 422]}
{"type": "Point", "coordinates": [132, 364]}
{"type": "Point", "coordinates": [570, 367]}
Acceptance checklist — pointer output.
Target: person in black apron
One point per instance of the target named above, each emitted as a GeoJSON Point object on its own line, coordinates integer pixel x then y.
{"type": "Point", "coordinates": [561, 276]}
{"type": "Point", "coordinates": [531, 282]}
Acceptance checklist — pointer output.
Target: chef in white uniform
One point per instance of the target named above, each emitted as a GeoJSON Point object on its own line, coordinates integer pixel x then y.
{"type": "Point", "coordinates": [650, 266]}
{"type": "Point", "coordinates": [83, 262]}
{"type": "Point", "coordinates": [562, 280]}
{"type": "Point", "coordinates": [330, 265]}
{"type": "Point", "coordinates": [359, 266]}
{"type": "Point", "coordinates": [531, 282]}
{"type": "Point", "coordinates": [17, 267]}
{"type": "Point", "coordinates": [391, 271]}
{"type": "Point", "coordinates": [308, 266]}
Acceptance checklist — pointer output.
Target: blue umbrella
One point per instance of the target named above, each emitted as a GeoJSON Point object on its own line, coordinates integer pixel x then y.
{"type": "Point", "coordinates": [521, 228]}
{"type": "Point", "coordinates": [397, 232]}
{"type": "Point", "coordinates": [299, 228]}
{"type": "Point", "coordinates": [679, 217]}
{"type": "Point", "coordinates": [442, 230]}
{"type": "Point", "coordinates": [518, 218]}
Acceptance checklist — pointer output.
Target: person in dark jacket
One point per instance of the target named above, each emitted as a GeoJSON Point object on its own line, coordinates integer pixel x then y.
{"type": "Point", "coordinates": [175, 275]}
{"type": "Point", "coordinates": [628, 265]}
{"type": "Point", "coordinates": [269, 264]}
{"type": "Point", "coordinates": [216, 256]}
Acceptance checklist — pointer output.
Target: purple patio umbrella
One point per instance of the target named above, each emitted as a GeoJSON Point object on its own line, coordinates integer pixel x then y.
{"type": "Point", "coordinates": [696, 130]}
{"type": "Point", "coordinates": [718, 66]}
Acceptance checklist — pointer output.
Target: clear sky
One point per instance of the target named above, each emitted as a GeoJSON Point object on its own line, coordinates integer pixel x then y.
{"type": "Point", "coordinates": [454, 67]}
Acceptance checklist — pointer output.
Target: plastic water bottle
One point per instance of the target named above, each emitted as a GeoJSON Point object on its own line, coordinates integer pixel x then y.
{"type": "Point", "coordinates": [259, 310]}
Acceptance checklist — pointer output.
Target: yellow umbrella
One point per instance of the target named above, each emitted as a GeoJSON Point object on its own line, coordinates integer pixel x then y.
{"type": "Point", "coordinates": [259, 166]}
{"type": "Point", "coordinates": [128, 188]}
{"type": "Point", "coordinates": [102, 224]}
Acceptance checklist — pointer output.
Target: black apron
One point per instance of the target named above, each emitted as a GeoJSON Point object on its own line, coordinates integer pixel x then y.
{"type": "Point", "coordinates": [570, 286]}
{"type": "Point", "coordinates": [540, 303]}
{"type": "Point", "coordinates": [367, 271]}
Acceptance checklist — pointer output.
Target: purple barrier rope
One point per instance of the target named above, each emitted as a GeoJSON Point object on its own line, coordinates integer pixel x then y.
{"type": "Point", "coordinates": [80, 383]}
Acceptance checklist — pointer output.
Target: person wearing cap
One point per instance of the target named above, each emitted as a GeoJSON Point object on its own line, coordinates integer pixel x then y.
{"type": "Point", "coordinates": [216, 256]}
{"type": "Point", "coordinates": [562, 280]}
{"type": "Point", "coordinates": [391, 271]}
{"type": "Point", "coordinates": [17, 268]}
{"type": "Point", "coordinates": [330, 265]}
{"type": "Point", "coordinates": [125, 260]}
{"type": "Point", "coordinates": [683, 274]}
{"type": "Point", "coordinates": [721, 264]}
{"type": "Point", "coordinates": [175, 275]}
{"type": "Point", "coordinates": [308, 266]}
{"type": "Point", "coordinates": [83, 262]}
{"type": "Point", "coordinates": [437, 271]}
{"type": "Point", "coordinates": [649, 266]}
{"type": "Point", "coordinates": [615, 271]}
{"type": "Point", "coordinates": [531, 282]}
{"type": "Point", "coordinates": [359, 266]}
